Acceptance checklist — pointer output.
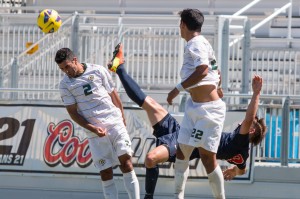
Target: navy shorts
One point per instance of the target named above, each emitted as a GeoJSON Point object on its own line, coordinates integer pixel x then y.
{"type": "Point", "coordinates": [166, 131]}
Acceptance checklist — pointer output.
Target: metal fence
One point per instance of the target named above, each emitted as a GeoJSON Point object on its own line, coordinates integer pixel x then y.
{"type": "Point", "coordinates": [281, 114]}
{"type": "Point", "coordinates": [153, 50]}
{"type": "Point", "coordinates": [22, 70]}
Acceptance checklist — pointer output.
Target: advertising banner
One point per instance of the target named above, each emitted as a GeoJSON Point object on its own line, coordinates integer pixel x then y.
{"type": "Point", "coordinates": [44, 139]}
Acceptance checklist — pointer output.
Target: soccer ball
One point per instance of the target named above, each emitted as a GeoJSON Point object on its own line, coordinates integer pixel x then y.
{"type": "Point", "coordinates": [49, 21]}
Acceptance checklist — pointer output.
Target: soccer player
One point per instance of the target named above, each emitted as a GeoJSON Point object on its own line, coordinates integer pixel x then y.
{"type": "Point", "coordinates": [88, 93]}
{"type": "Point", "coordinates": [166, 129]}
{"type": "Point", "coordinates": [204, 115]}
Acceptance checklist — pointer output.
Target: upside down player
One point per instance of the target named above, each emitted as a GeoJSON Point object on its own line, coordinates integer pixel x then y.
{"type": "Point", "coordinates": [234, 144]}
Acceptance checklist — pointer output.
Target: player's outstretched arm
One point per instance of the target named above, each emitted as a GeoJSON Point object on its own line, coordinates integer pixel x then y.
{"type": "Point", "coordinates": [253, 105]}
{"type": "Point", "coordinates": [257, 81]}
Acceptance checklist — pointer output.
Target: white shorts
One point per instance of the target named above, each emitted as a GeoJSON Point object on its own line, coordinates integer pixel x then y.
{"type": "Point", "coordinates": [202, 124]}
{"type": "Point", "coordinates": [105, 151]}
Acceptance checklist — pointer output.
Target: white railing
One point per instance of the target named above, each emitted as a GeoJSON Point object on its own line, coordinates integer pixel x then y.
{"type": "Point", "coordinates": [34, 71]}
{"type": "Point", "coordinates": [153, 54]}
{"type": "Point", "coordinates": [279, 68]}
{"type": "Point", "coordinates": [266, 20]}
{"type": "Point", "coordinates": [282, 116]}
{"type": "Point", "coordinates": [235, 50]}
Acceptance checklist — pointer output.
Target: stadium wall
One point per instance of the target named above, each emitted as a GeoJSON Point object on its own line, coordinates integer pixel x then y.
{"type": "Point", "coordinates": [43, 151]}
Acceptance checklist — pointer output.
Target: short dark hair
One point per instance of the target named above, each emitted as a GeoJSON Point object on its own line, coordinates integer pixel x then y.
{"type": "Point", "coordinates": [192, 18]}
{"type": "Point", "coordinates": [64, 54]}
{"type": "Point", "coordinates": [260, 131]}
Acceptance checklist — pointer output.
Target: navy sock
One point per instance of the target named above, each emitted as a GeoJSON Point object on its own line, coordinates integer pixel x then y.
{"type": "Point", "coordinates": [132, 89]}
{"type": "Point", "coordinates": [151, 179]}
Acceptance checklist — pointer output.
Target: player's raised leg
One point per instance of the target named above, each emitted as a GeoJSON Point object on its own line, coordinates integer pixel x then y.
{"type": "Point", "coordinates": [154, 110]}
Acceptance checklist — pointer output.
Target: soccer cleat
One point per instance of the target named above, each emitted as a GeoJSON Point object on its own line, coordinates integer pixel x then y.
{"type": "Point", "coordinates": [148, 196]}
{"type": "Point", "coordinates": [118, 58]}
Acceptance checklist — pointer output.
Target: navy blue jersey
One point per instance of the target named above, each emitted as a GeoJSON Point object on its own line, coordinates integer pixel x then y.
{"type": "Point", "coordinates": [234, 147]}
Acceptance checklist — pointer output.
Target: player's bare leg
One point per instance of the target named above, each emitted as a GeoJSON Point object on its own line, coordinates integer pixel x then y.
{"type": "Point", "coordinates": [129, 177]}
{"type": "Point", "coordinates": [109, 187]}
{"type": "Point", "coordinates": [154, 110]}
{"type": "Point", "coordinates": [159, 154]}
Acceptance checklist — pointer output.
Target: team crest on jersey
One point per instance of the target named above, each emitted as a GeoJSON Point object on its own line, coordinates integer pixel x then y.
{"type": "Point", "coordinates": [102, 162]}
{"type": "Point", "coordinates": [91, 77]}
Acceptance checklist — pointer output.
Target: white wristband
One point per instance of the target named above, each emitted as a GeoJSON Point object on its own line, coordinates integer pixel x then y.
{"type": "Point", "coordinates": [179, 87]}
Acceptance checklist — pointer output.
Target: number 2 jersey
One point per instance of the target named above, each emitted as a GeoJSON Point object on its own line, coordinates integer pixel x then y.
{"type": "Point", "coordinates": [90, 91]}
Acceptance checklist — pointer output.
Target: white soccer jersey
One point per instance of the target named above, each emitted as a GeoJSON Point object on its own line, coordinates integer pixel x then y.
{"type": "Point", "coordinates": [90, 92]}
{"type": "Point", "coordinates": [198, 51]}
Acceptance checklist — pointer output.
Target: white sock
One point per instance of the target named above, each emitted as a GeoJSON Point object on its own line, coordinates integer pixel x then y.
{"type": "Point", "coordinates": [216, 181]}
{"type": "Point", "coordinates": [131, 185]}
{"type": "Point", "coordinates": [109, 189]}
{"type": "Point", "coordinates": [181, 174]}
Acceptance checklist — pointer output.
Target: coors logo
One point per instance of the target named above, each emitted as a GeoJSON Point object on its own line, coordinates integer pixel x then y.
{"type": "Point", "coordinates": [63, 147]}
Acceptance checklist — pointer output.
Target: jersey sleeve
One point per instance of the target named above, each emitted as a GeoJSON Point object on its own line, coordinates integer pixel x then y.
{"type": "Point", "coordinates": [199, 54]}
{"type": "Point", "coordinates": [241, 166]}
{"type": "Point", "coordinates": [66, 96]}
{"type": "Point", "coordinates": [107, 80]}
{"type": "Point", "coordinates": [239, 160]}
